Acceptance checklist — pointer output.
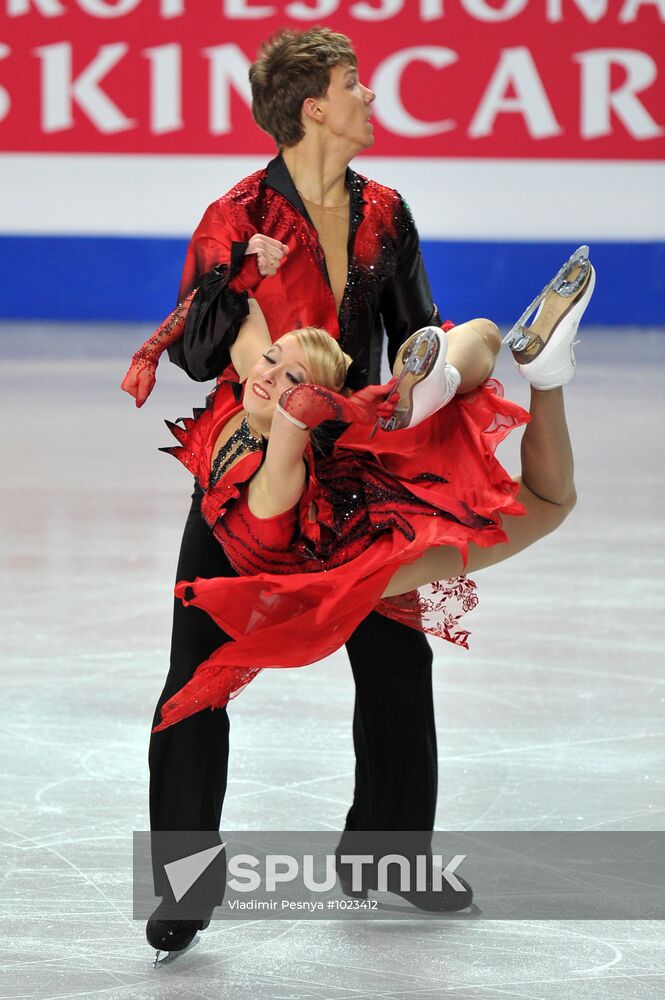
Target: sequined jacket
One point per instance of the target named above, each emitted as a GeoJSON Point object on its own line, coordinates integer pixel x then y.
{"type": "Point", "coordinates": [387, 286]}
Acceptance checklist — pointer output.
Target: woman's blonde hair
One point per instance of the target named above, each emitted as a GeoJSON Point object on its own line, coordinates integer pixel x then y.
{"type": "Point", "coordinates": [327, 364]}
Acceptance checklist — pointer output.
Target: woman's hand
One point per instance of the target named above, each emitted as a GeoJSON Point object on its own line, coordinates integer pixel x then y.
{"type": "Point", "coordinates": [140, 379]}
{"type": "Point", "coordinates": [372, 402]}
{"type": "Point", "coordinates": [252, 340]}
{"type": "Point", "coordinates": [269, 253]}
{"type": "Point", "coordinates": [308, 405]}
{"type": "Point", "coordinates": [141, 374]}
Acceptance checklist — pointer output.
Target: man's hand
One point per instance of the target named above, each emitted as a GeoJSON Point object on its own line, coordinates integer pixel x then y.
{"type": "Point", "coordinates": [140, 379]}
{"type": "Point", "coordinates": [269, 253]}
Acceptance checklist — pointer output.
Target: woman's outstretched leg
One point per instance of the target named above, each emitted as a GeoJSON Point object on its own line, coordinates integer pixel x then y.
{"type": "Point", "coordinates": [547, 486]}
{"type": "Point", "coordinates": [546, 452]}
{"type": "Point", "coordinates": [547, 491]}
{"type": "Point", "coordinates": [433, 365]}
{"type": "Point", "coordinates": [472, 349]}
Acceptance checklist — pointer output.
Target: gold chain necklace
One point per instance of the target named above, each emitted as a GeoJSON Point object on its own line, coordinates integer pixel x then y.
{"type": "Point", "coordinates": [329, 210]}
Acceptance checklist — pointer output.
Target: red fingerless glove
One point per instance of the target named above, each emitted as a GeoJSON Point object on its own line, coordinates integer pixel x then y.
{"type": "Point", "coordinates": [308, 405]}
{"type": "Point", "coordinates": [141, 374]}
{"type": "Point", "coordinates": [167, 333]}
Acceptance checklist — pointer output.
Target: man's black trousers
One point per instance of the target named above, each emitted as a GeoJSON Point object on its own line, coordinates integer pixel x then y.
{"type": "Point", "coordinates": [393, 722]}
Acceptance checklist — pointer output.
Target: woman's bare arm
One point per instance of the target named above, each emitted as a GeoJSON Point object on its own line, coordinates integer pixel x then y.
{"type": "Point", "coordinates": [280, 481]}
{"type": "Point", "coordinates": [252, 340]}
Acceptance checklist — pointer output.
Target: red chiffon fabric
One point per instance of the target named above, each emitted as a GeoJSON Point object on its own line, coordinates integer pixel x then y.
{"type": "Point", "coordinates": [311, 575]}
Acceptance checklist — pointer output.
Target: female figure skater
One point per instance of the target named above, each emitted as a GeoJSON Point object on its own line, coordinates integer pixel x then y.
{"type": "Point", "coordinates": [321, 542]}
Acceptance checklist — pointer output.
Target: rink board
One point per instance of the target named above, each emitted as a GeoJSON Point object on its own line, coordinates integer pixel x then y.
{"type": "Point", "coordinates": [98, 237]}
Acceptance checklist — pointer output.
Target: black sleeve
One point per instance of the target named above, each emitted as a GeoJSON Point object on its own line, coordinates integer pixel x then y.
{"type": "Point", "coordinates": [406, 301]}
{"type": "Point", "coordinates": [213, 322]}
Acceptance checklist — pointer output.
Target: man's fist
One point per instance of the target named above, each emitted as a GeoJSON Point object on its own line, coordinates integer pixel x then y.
{"type": "Point", "coordinates": [269, 253]}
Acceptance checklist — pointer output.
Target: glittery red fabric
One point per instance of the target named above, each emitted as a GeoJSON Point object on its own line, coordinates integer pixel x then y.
{"type": "Point", "coordinates": [386, 282]}
{"type": "Point", "coordinates": [288, 297]}
{"type": "Point", "coordinates": [311, 405]}
{"type": "Point", "coordinates": [312, 574]}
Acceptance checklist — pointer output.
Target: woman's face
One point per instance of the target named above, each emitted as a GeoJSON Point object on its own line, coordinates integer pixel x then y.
{"type": "Point", "coordinates": [279, 368]}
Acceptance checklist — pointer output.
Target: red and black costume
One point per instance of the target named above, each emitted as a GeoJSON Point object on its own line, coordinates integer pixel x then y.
{"type": "Point", "coordinates": [387, 286]}
{"type": "Point", "coordinates": [310, 575]}
{"type": "Point", "coordinates": [393, 724]}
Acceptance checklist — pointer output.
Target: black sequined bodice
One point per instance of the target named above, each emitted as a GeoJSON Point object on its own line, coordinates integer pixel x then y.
{"type": "Point", "coordinates": [241, 442]}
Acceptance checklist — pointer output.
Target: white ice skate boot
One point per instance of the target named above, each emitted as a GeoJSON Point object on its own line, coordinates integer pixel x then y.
{"type": "Point", "coordinates": [425, 381]}
{"type": "Point", "coordinates": [543, 352]}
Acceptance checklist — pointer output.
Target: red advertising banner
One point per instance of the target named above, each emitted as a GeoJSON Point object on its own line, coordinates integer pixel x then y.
{"type": "Point", "coordinates": [574, 79]}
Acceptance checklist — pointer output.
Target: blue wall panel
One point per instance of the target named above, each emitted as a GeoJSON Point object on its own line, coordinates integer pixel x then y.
{"type": "Point", "coordinates": [136, 279]}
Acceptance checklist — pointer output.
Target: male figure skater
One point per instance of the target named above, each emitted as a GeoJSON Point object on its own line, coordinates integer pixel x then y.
{"type": "Point", "coordinates": [315, 244]}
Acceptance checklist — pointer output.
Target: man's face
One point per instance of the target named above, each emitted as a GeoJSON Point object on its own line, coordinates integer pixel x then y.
{"type": "Point", "coordinates": [348, 107]}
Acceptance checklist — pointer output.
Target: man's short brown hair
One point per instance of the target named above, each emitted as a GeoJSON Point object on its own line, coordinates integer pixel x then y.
{"type": "Point", "coordinates": [292, 66]}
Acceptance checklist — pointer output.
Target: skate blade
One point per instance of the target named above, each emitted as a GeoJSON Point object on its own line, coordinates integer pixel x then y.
{"type": "Point", "coordinates": [416, 364]}
{"type": "Point", "coordinates": [171, 956]}
{"type": "Point", "coordinates": [518, 337]}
